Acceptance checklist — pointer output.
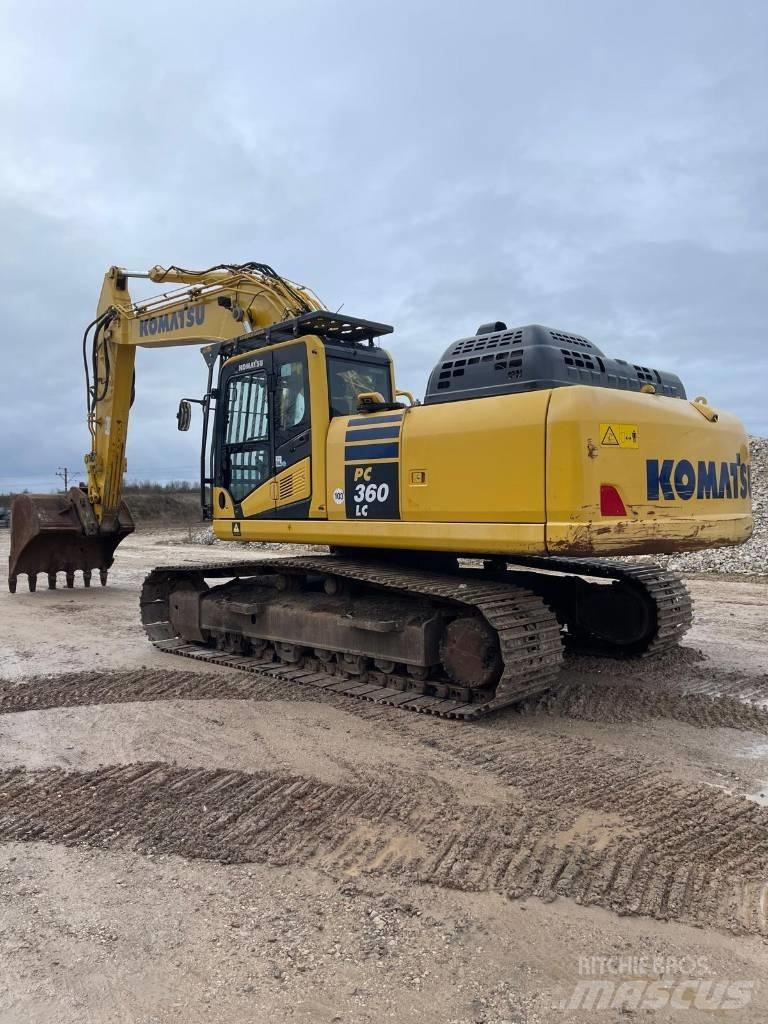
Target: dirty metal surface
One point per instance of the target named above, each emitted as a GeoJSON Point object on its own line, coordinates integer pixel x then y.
{"type": "Point", "coordinates": [57, 533]}
{"type": "Point", "coordinates": [528, 632]}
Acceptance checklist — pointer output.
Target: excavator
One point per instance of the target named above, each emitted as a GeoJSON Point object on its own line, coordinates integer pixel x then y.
{"type": "Point", "coordinates": [472, 536]}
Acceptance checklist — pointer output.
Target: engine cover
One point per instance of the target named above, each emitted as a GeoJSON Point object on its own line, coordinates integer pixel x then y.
{"type": "Point", "coordinates": [503, 361]}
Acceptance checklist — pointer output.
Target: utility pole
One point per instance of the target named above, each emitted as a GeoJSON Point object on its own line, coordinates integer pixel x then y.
{"type": "Point", "coordinates": [63, 472]}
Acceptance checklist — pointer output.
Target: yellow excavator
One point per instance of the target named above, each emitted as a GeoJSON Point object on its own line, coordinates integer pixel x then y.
{"type": "Point", "coordinates": [468, 532]}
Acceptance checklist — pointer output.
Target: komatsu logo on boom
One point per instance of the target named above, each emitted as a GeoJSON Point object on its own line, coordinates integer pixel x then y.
{"type": "Point", "coordinates": [669, 479]}
{"type": "Point", "coordinates": [193, 316]}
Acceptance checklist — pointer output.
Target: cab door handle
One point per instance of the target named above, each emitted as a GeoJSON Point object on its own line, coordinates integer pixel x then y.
{"type": "Point", "coordinates": [299, 441]}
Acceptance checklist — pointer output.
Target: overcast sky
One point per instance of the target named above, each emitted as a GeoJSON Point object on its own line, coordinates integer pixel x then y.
{"type": "Point", "coordinates": [598, 167]}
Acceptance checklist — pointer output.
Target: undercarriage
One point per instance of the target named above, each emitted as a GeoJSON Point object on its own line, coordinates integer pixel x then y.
{"type": "Point", "coordinates": [456, 644]}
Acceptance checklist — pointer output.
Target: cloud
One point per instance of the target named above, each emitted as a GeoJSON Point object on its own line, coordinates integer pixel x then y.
{"type": "Point", "coordinates": [598, 166]}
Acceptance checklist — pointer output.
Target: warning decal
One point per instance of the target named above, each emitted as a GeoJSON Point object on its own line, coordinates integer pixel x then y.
{"type": "Point", "coordinates": [619, 435]}
{"type": "Point", "coordinates": [236, 529]}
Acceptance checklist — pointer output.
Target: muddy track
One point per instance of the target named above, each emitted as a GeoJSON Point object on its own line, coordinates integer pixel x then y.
{"type": "Point", "coordinates": [630, 701]}
{"type": "Point", "coordinates": [682, 671]}
{"type": "Point", "coordinates": [82, 688]}
{"type": "Point", "coordinates": [618, 831]}
{"type": "Point", "coordinates": [579, 823]}
{"type": "Point", "coordinates": [749, 688]}
{"type": "Point", "coordinates": [598, 702]}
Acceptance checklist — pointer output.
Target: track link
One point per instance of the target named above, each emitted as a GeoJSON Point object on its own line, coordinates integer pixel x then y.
{"type": "Point", "coordinates": [670, 601]}
{"type": "Point", "coordinates": [529, 633]}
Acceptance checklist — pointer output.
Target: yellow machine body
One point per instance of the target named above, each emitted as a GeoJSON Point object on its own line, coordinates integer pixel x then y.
{"type": "Point", "coordinates": [512, 474]}
{"type": "Point", "coordinates": [565, 470]}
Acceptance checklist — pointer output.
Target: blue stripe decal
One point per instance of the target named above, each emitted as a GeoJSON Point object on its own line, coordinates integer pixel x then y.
{"type": "Point", "coordinates": [366, 452]}
{"type": "Point", "coordinates": [374, 421]}
{"type": "Point", "coordinates": [373, 433]}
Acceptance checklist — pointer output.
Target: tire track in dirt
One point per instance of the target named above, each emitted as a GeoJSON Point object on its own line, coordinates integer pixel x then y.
{"type": "Point", "coordinates": [587, 827]}
{"type": "Point", "coordinates": [592, 825]}
{"type": "Point", "coordinates": [640, 840]}
{"type": "Point", "coordinates": [604, 702]}
{"type": "Point", "coordinates": [592, 701]}
{"type": "Point", "coordinates": [80, 689]}
{"type": "Point", "coordinates": [747, 688]}
{"type": "Point", "coordinates": [684, 671]}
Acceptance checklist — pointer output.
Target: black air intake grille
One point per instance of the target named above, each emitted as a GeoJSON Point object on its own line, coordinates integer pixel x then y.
{"type": "Point", "coordinates": [533, 358]}
{"type": "Point", "coordinates": [488, 341]}
{"type": "Point", "coordinates": [571, 339]}
{"type": "Point", "coordinates": [647, 375]}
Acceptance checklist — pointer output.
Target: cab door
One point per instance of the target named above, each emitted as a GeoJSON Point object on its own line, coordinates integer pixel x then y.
{"type": "Point", "coordinates": [246, 463]}
{"type": "Point", "coordinates": [264, 436]}
{"type": "Point", "coordinates": [292, 432]}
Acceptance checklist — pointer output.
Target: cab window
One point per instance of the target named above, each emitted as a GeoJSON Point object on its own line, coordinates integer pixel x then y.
{"type": "Point", "coordinates": [348, 378]}
{"type": "Point", "coordinates": [291, 395]}
{"type": "Point", "coordinates": [247, 409]}
{"type": "Point", "coordinates": [247, 458]}
{"type": "Point", "coordinates": [248, 469]}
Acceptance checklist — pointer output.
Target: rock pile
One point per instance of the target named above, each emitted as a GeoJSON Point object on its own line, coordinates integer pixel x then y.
{"type": "Point", "coordinates": [751, 557]}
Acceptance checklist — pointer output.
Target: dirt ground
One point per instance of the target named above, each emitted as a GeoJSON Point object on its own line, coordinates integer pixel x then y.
{"type": "Point", "coordinates": [182, 843]}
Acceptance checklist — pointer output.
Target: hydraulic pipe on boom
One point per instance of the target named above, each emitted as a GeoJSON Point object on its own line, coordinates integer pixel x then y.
{"type": "Point", "coordinates": [80, 529]}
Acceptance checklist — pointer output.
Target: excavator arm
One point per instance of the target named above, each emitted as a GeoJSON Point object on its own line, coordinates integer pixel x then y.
{"type": "Point", "coordinates": [80, 530]}
{"type": "Point", "coordinates": [214, 305]}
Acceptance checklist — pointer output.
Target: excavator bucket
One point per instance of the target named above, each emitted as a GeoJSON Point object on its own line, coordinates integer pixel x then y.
{"type": "Point", "coordinates": [53, 533]}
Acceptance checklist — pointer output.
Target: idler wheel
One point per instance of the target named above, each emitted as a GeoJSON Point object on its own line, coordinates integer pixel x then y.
{"type": "Point", "coordinates": [469, 652]}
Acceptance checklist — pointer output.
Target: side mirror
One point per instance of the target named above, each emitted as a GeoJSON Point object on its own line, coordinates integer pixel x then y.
{"type": "Point", "coordinates": [184, 415]}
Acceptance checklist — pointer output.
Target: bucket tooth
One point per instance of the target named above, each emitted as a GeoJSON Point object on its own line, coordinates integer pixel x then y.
{"type": "Point", "coordinates": [52, 533]}
{"type": "Point", "coordinates": [32, 582]}
{"type": "Point", "coordinates": [103, 577]}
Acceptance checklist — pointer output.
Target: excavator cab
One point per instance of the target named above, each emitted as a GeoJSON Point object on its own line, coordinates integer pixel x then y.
{"type": "Point", "coordinates": [275, 398]}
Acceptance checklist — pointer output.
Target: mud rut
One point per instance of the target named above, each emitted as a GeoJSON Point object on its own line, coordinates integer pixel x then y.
{"type": "Point", "coordinates": [616, 831]}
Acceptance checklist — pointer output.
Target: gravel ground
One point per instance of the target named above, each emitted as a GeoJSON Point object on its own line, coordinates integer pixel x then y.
{"type": "Point", "coordinates": [184, 843]}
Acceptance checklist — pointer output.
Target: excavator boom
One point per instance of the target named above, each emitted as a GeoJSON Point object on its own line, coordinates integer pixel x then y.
{"type": "Point", "coordinates": [80, 530]}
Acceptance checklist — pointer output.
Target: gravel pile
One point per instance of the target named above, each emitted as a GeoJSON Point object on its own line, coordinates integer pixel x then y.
{"type": "Point", "coordinates": [204, 535]}
{"type": "Point", "coordinates": [752, 557]}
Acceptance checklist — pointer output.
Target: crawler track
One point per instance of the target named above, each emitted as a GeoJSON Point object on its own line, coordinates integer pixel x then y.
{"type": "Point", "coordinates": [529, 634]}
{"type": "Point", "coordinates": [668, 600]}
{"type": "Point", "coordinates": [528, 631]}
